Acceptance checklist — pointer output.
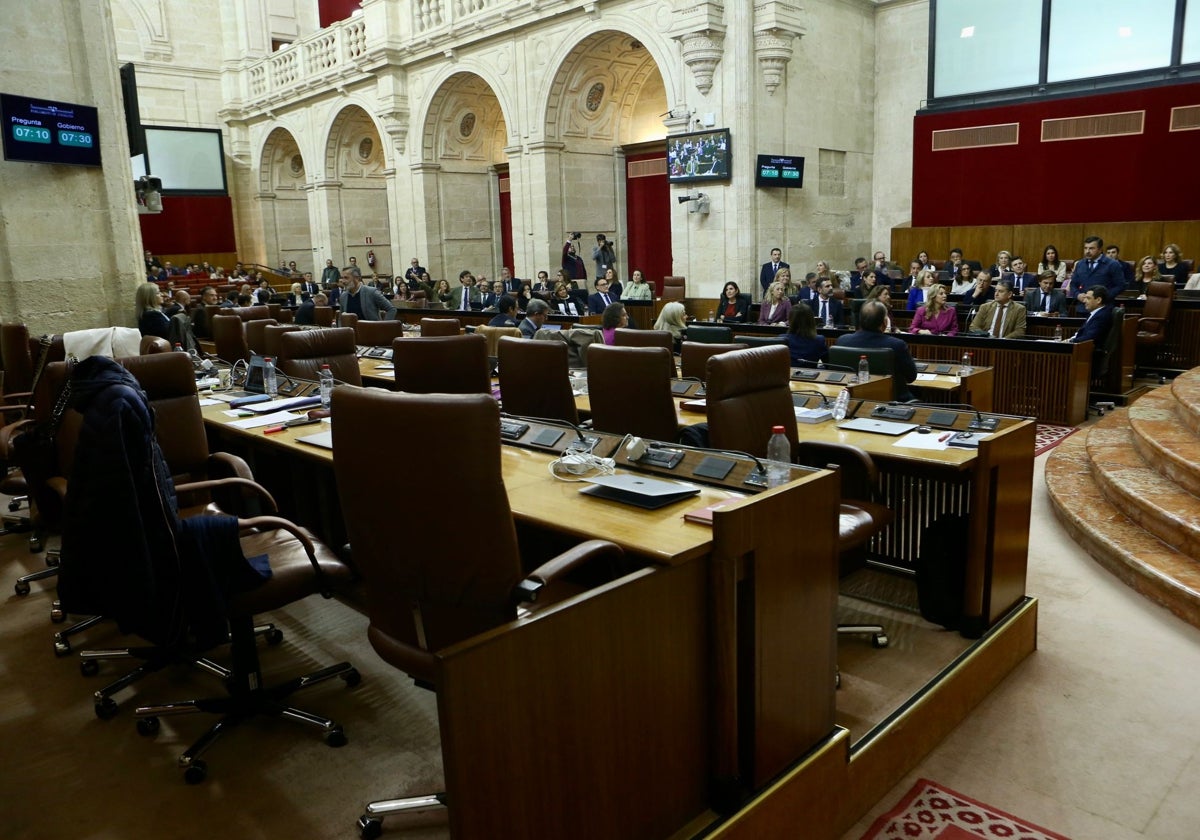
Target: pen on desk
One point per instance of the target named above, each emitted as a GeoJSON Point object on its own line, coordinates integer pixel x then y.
{"type": "Point", "coordinates": [945, 437]}
{"type": "Point", "coordinates": [270, 430]}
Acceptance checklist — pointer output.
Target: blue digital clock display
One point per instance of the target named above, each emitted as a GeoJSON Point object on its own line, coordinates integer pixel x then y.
{"type": "Point", "coordinates": [44, 131]}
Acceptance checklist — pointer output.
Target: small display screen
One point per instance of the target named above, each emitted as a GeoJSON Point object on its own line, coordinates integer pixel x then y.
{"type": "Point", "coordinates": [779, 171]}
{"type": "Point", "coordinates": [44, 131]}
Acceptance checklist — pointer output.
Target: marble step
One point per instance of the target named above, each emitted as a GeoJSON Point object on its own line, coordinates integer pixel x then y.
{"type": "Point", "coordinates": [1140, 491]}
{"type": "Point", "coordinates": [1163, 441]}
{"type": "Point", "coordinates": [1119, 544]}
{"type": "Point", "coordinates": [1186, 388]}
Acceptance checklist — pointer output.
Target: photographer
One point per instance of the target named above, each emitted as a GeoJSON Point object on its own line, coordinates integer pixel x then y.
{"type": "Point", "coordinates": [572, 263]}
{"type": "Point", "coordinates": [603, 255]}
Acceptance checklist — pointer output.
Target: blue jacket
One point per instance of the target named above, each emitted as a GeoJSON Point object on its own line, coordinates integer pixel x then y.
{"type": "Point", "coordinates": [1096, 327]}
{"type": "Point", "coordinates": [1107, 273]}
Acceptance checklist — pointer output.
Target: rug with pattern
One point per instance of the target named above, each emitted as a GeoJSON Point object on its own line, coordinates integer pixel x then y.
{"type": "Point", "coordinates": [933, 812]}
{"type": "Point", "coordinates": [1049, 436]}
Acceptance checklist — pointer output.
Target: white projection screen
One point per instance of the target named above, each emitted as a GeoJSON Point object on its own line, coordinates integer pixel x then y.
{"type": "Point", "coordinates": [187, 160]}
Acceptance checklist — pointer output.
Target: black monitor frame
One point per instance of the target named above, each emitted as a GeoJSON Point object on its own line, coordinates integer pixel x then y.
{"type": "Point", "coordinates": [711, 164]}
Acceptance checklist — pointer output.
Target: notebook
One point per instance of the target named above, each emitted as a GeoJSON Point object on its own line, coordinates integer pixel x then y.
{"type": "Point", "coordinates": [638, 490]}
{"type": "Point", "coordinates": [881, 427]}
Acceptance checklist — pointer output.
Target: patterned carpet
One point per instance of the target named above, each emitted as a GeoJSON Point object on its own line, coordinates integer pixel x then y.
{"type": "Point", "coordinates": [938, 813]}
{"type": "Point", "coordinates": [1049, 437]}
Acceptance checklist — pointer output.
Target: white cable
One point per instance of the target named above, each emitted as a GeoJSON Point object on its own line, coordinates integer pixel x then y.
{"type": "Point", "coordinates": [578, 463]}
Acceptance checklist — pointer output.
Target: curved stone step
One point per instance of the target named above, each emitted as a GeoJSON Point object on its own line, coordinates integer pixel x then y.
{"type": "Point", "coordinates": [1140, 491]}
{"type": "Point", "coordinates": [1135, 556]}
{"type": "Point", "coordinates": [1186, 388]}
{"type": "Point", "coordinates": [1163, 441]}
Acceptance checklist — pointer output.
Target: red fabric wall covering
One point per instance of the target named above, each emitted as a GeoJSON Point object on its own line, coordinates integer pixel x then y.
{"type": "Point", "coordinates": [190, 224]}
{"type": "Point", "coordinates": [648, 221]}
{"type": "Point", "coordinates": [506, 234]}
{"type": "Point", "coordinates": [331, 11]}
{"type": "Point", "coordinates": [1152, 176]}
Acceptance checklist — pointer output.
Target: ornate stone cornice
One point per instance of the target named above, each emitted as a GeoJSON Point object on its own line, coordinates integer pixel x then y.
{"type": "Point", "coordinates": [700, 30]}
{"type": "Point", "coordinates": [776, 26]}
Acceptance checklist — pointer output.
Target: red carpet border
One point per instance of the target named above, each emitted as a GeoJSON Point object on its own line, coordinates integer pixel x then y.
{"type": "Point", "coordinates": [937, 813]}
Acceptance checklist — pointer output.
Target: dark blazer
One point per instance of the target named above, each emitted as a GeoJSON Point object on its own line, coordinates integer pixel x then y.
{"type": "Point", "coordinates": [741, 308]}
{"type": "Point", "coordinates": [596, 304]}
{"type": "Point", "coordinates": [1096, 327]}
{"type": "Point", "coordinates": [1107, 273]}
{"type": "Point", "coordinates": [486, 299]}
{"type": "Point", "coordinates": [837, 312]}
{"type": "Point", "coordinates": [1034, 301]}
{"type": "Point", "coordinates": [309, 288]}
{"type": "Point", "coordinates": [1023, 282]}
{"type": "Point", "coordinates": [904, 368]}
{"type": "Point", "coordinates": [803, 296]}
{"type": "Point", "coordinates": [766, 274]}
{"type": "Point", "coordinates": [561, 306]}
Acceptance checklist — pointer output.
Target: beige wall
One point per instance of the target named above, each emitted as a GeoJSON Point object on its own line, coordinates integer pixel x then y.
{"type": "Point", "coordinates": [69, 242]}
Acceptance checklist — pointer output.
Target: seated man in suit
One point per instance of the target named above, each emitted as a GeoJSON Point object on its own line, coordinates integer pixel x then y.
{"type": "Point", "coordinates": [306, 311]}
{"type": "Point", "coordinates": [1022, 280]}
{"type": "Point", "coordinates": [536, 312]}
{"type": "Point", "coordinates": [488, 296]}
{"type": "Point", "coordinates": [1046, 300]}
{"type": "Point", "coordinates": [870, 335]}
{"type": "Point", "coordinates": [828, 310]}
{"type": "Point", "coordinates": [507, 313]}
{"type": "Point", "coordinates": [601, 300]}
{"type": "Point", "coordinates": [467, 295]}
{"type": "Point", "coordinates": [1100, 317]}
{"type": "Point", "coordinates": [1113, 252]}
{"type": "Point", "coordinates": [808, 291]}
{"type": "Point", "coordinates": [1002, 317]}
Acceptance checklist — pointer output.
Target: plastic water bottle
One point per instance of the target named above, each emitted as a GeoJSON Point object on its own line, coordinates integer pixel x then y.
{"type": "Point", "coordinates": [864, 369]}
{"type": "Point", "coordinates": [270, 383]}
{"type": "Point", "coordinates": [326, 384]}
{"type": "Point", "coordinates": [966, 369]}
{"type": "Point", "coordinates": [1058, 332]}
{"type": "Point", "coordinates": [779, 458]}
{"type": "Point", "coordinates": [820, 364]}
{"type": "Point", "coordinates": [842, 403]}
{"type": "Point", "coordinates": [179, 348]}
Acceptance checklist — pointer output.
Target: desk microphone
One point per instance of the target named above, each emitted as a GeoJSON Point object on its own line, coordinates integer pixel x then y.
{"type": "Point", "coordinates": [760, 471]}
{"type": "Point", "coordinates": [824, 399]}
{"type": "Point", "coordinates": [846, 368]}
{"type": "Point", "coordinates": [583, 440]}
{"type": "Point", "coordinates": [979, 424]}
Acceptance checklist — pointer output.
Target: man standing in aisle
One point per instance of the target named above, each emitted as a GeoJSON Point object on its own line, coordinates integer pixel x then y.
{"type": "Point", "coordinates": [367, 302]}
{"type": "Point", "coordinates": [603, 255]}
{"type": "Point", "coordinates": [766, 275]}
{"type": "Point", "coordinates": [1095, 268]}
{"type": "Point", "coordinates": [330, 274]}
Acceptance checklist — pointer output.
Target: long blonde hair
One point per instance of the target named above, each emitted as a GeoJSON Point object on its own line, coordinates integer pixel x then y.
{"type": "Point", "coordinates": [671, 318]}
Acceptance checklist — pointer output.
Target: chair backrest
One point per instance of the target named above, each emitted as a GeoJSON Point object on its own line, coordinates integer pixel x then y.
{"type": "Point", "coordinates": [1159, 296]}
{"type": "Point", "coordinates": [760, 340]}
{"type": "Point", "coordinates": [347, 319]}
{"type": "Point", "coordinates": [272, 346]}
{"type": "Point", "coordinates": [18, 364]}
{"type": "Point", "coordinates": [644, 338]}
{"type": "Point", "coordinates": [629, 389]}
{"type": "Point", "coordinates": [709, 335]}
{"type": "Point", "coordinates": [250, 313]}
{"type": "Point", "coordinates": [459, 579]}
{"type": "Point", "coordinates": [304, 351]}
{"type": "Point", "coordinates": [151, 344]}
{"type": "Point", "coordinates": [377, 333]}
{"type": "Point", "coordinates": [674, 288]}
{"type": "Point", "coordinates": [229, 337]}
{"type": "Point", "coordinates": [440, 326]}
{"type": "Point", "coordinates": [1104, 353]}
{"type": "Point", "coordinates": [170, 385]}
{"type": "Point", "coordinates": [748, 394]}
{"type": "Point", "coordinates": [286, 316]}
{"type": "Point", "coordinates": [493, 335]}
{"type": "Point", "coordinates": [442, 364]}
{"type": "Point", "coordinates": [880, 360]}
{"type": "Point", "coordinates": [323, 316]}
{"type": "Point", "coordinates": [694, 356]}
{"type": "Point", "coordinates": [535, 379]}
{"type": "Point", "coordinates": [256, 335]}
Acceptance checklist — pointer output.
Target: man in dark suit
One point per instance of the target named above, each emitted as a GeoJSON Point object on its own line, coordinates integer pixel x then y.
{"type": "Point", "coordinates": [467, 295]}
{"type": "Point", "coordinates": [511, 285]}
{"type": "Point", "coordinates": [808, 291]}
{"type": "Point", "coordinates": [415, 270]}
{"type": "Point", "coordinates": [766, 275]}
{"type": "Point", "coordinates": [600, 301]}
{"type": "Point", "coordinates": [1022, 280]}
{"type": "Point", "coordinates": [1100, 317]}
{"type": "Point", "coordinates": [1046, 300]}
{"type": "Point", "coordinates": [307, 287]}
{"type": "Point", "coordinates": [870, 335]}
{"type": "Point", "coordinates": [1113, 252]}
{"type": "Point", "coordinates": [827, 309]}
{"type": "Point", "coordinates": [1093, 269]}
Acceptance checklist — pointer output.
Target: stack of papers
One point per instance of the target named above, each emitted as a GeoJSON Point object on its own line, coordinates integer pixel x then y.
{"type": "Point", "coordinates": [813, 415]}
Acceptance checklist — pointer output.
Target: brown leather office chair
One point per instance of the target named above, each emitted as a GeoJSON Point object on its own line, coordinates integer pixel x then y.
{"type": "Point", "coordinates": [377, 333]}
{"type": "Point", "coordinates": [709, 334]}
{"type": "Point", "coordinates": [629, 389]}
{"type": "Point", "coordinates": [347, 319]}
{"type": "Point", "coordinates": [323, 316]}
{"type": "Point", "coordinates": [643, 338]}
{"type": "Point", "coordinates": [286, 316]}
{"type": "Point", "coordinates": [1152, 326]}
{"type": "Point", "coordinates": [443, 364]}
{"type": "Point", "coordinates": [694, 356]}
{"type": "Point", "coordinates": [18, 364]}
{"type": "Point", "coordinates": [272, 339]}
{"type": "Point", "coordinates": [535, 380]}
{"type": "Point", "coordinates": [440, 326]}
{"type": "Point", "coordinates": [454, 582]}
{"type": "Point", "coordinates": [304, 351]}
{"type": "Point", "coordinates": [250, 313]}
{"type": "Point", "coordinates": [229, 338]}
{"type": "Point", "coordinates": [151, 344]}
{"type": "Point", "coordinates": [492, 336]}
{"type": "Point", "coordinates": [255, 335]}
{"type": "Point", "coordinates": [674, 288]}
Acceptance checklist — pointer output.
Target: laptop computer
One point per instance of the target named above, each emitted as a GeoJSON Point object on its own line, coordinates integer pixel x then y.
{"type": "Point", "coordinates": [638, 490]}
{"type": "Point", "coordinates": [880, 427]}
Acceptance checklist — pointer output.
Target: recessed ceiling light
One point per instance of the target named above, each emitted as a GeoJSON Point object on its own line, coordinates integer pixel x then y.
{"type": "Point", "coordinates": [968, 32]}
{"type": "Point", "coordinates": [1125, 31]}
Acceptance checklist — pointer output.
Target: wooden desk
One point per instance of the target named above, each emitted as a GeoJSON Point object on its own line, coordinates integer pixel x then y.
{"type": "Point", "coordinates": [715, 655]}
{"type": "Point", "coordinates": [973, 389]}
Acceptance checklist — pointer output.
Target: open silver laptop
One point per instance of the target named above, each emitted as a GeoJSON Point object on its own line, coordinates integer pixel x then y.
{"type": "Point", "coordinates": [879, 427]}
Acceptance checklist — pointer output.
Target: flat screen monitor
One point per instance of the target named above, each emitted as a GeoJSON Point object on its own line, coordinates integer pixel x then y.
{"type": "Point", "coordinates": [779, 171]}
{"type": "Point", "coordinates": [698, 157]}
{"type": "Point", "coordinates": [45, 131]}
{"type": "Point", "coordinates": [186, 160]}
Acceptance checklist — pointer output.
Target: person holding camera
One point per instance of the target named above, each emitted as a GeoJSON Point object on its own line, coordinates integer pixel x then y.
{"type": "Point", "coordinates": [573, 265]}
{"type": "Point", "coordinates": [603, 255]}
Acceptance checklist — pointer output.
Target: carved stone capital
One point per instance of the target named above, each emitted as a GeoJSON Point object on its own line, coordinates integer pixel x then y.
{"type": "Point", "coordinates": [702, 52]}
{"type": "Point", "coordinates": [395, 123]}
{"type": "Point", "coordinates": [773, 50]}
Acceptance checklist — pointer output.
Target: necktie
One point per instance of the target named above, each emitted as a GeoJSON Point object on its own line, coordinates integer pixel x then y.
{"type": "Point", "coordinates": [824, 312]}
{"type": "Point", "coordinates": [774, 267]}
{"type": "Point", "coordinates": [1091, 265]}
{"type": "Point", "coordinates": [1046, 301]}
{"type": "Point", "coordinates": [606, 300]}
{"type": "Point", "coordinates": [466, 298]}
{"type": "Point", "coordinates": [998, 323]}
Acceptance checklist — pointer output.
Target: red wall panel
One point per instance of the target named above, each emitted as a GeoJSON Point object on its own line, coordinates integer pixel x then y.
{"type": "Point", "coordinates": [190, 224]}
{"type": "Point", "coordinates": [648, 221]}
{"type": "Point", "coordinates": [1151, 176]}
{"type": "Point", "coordinates": [331, 11]}
{"type": "Point", "coordinates": [506, 234]}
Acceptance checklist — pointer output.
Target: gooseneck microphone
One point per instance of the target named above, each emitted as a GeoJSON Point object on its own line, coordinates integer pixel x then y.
{"type": "Point", "coordinates": [824, 399]}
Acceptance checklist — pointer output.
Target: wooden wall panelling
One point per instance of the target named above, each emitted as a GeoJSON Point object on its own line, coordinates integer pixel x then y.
{"type": "Point", "coordinates": [1031, 240]}
{"type": "Point", "coordinates": [1184, 234]}
{"type": "Point", "coordinates": [982, 242]}
{"type": "Point", "coordinates": [1136, 239]}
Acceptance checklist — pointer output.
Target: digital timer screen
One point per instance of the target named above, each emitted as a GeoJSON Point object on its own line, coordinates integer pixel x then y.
{"type": "Point", "coordinates": [779, 171]}
{"type": "Point", "coordinates": [44, 131]}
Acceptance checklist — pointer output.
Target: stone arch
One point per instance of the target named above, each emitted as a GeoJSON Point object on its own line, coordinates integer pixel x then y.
{"type": "Point", "coordinates": [149, 21]}
{"type": "Point", "coordinates": [283, 187]}
{"type": "Point", "coordinates": [354, 146]}
{"type": "Point", "coordinates": [353, 193]}
{"type": "Point", "coordinates": [281, 163]}
{"type": "Point", "coordinates": [464, 121]}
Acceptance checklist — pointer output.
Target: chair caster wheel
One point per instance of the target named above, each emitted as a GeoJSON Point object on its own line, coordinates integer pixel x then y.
{"type": "Point", "coordinates": [369, 828]}
{"type": "Point", "coordinates": [352, 678]}
{"type": "Point", "coordinates": [57, 615]}
{"type": "Point", "coordinates": [147, 727]}
{"type": "Point", "coordinates": [61, 647]}
{"type": "Point", "coordinates": [879, 640]}
{"type": "Point", "coordinates": [14, 506]}
{"type": "Point", "coordinates": [273, 637]}
{"type": "Point", "coordinates": [21, 588]}
{"type": "Point", "coordinates": [106, 709]}
{"type": "Point", "coordinates": [196, 772]}
{"type": "Point", "coordinates": [89, 667]}
{"type": "Point", "coordinates": [336, 737]}
{"type": "Point", "coordinates": [35, 545]}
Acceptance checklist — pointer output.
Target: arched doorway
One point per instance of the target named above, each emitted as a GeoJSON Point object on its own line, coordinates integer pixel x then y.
{"type": "Point", "coordinates": [355, 193]}
{"type": "Point", "coordinates": [283, 202]}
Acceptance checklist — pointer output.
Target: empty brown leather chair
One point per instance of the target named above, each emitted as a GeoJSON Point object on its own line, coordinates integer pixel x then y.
{"type": "Point", "coordinates": [748, 394]}
{"type": "Point", "coordinates": [455, 582]}
{"type": "Point", "coordinates": [347, 319]}
{"type": "Point", "coordinates": [535, 380]}
{"type": "Point", "coordinates": [256, 336]}
{"type": "Point", "coordinates": [629, 389]}
{"type": "Point", "coordinates": [229, 338]}
{"type": "Point", "coordinates": [443, 364]}
{"type": "Point", "coordinates": [272, 346]}
{"type": "Point", "coordinates": [250, 313]}
{"type": "Point", "coordinates": [152, 344]}
{"type": "Point", "coordinates": [1152, 326]}
{"type": "Point", "coordinates": [377, 333]}
{"type": "Point", "coordinates": [286, 316]}
{"type": "Point", "coordinates": [323, 316]}
{"type": "Point", "coordinates": [492, 336]}
{"type": "Point", "coordinates": [643, 338]}
{"type": "Point", "coordinates": [694, 356]}
{"type": "Point", "coordinates": [18, 365]}
{"type": "Point", "coordinates": [440, 326]}
{"type": "Point", "coordinates": [304, 351]}
{"type": "Point", "coordinates": [674, 288]}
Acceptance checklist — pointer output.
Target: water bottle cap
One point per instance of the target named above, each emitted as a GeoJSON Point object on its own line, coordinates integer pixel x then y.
{"type": "Point", "coordinates": [777, 430]}
{"type": "Point", "coordinates": [266, 358]}
{"type": "Point", "coordinates": [324, 367]}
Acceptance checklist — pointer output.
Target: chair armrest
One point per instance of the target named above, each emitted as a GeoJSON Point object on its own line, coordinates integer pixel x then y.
{"type": "Point", "coordinates": [25, 397]}
{"type": "Point", "coordinates": [9, 433]}
{"type": "Point", "coordinates": [1156, 323]}
{"type": "Point", "coordinates": [592, 551]}
{"type": "Point", "coordinates": [226, 465]}
{"type": "Point", "coordinates": [261, 523]}
{"type": "Point", "coordinates": [244, 484]}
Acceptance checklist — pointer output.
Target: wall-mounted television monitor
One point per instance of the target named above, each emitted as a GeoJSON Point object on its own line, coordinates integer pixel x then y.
{"type": "Point", "coordinates": [699, 156]}
{"type": "Point", "coordinates": [45, 131]}
{"type": "Point", "coordinates": [779, 171]}
{"type": "Point", "coordinates": [188, 161]}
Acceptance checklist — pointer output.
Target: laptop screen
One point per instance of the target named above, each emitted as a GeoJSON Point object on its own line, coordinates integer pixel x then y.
{"type": "Point", "coordinates": [254, 376]}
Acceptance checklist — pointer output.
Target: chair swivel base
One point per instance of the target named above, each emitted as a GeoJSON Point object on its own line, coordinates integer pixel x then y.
{"type": "Point", "coordinates": [370, 824]}
{"type": "Point", "coordinates": [879, 638]}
